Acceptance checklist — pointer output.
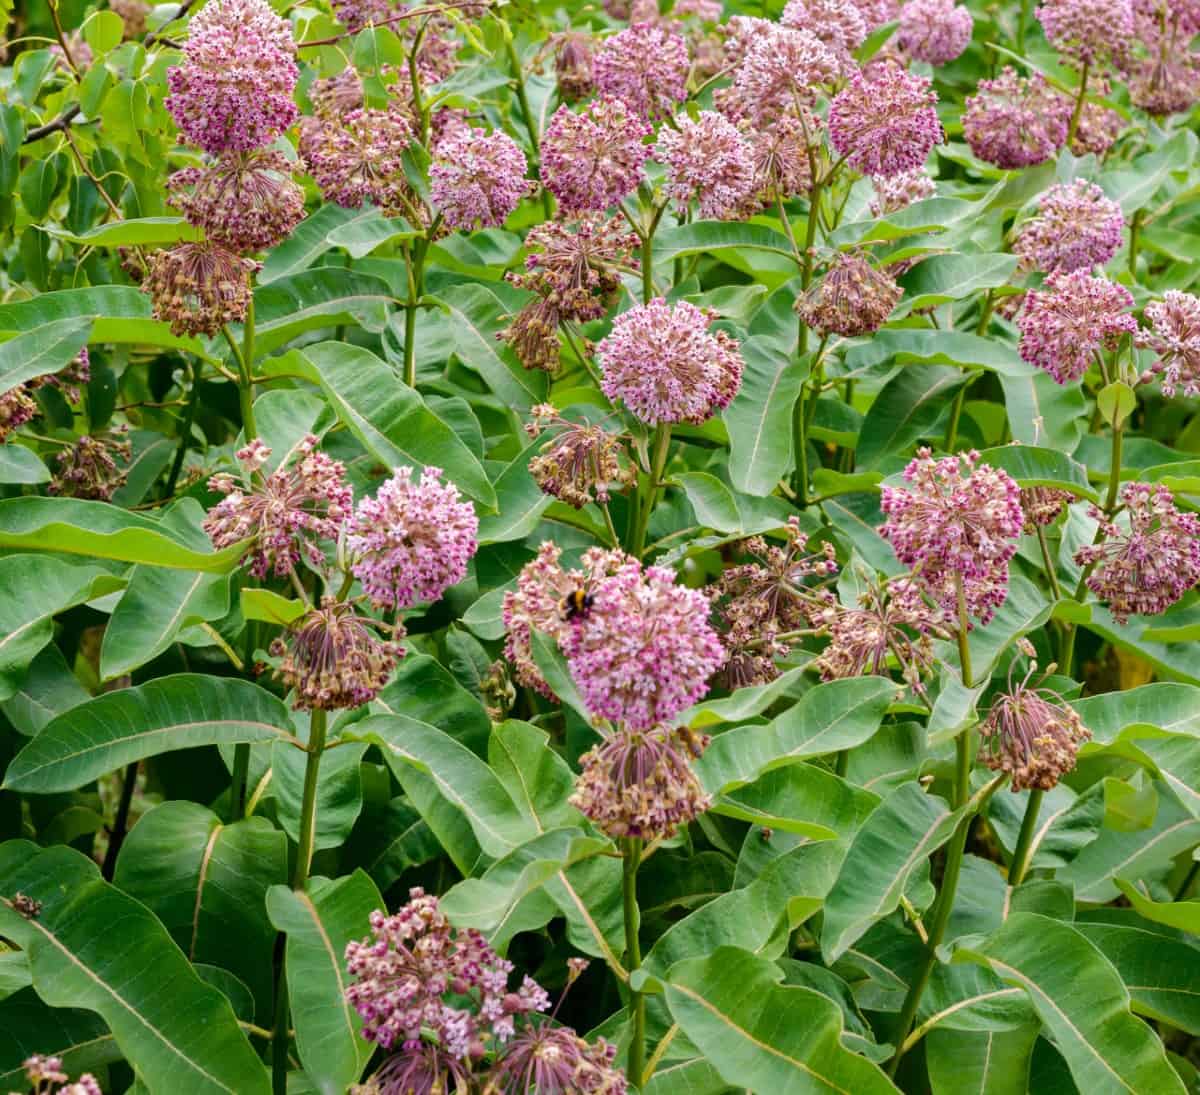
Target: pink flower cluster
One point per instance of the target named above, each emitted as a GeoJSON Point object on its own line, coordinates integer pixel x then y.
{"type": "Point", "coordinates": [853, 298]}
{"type": "Point", "coordinates": [645, 67]}
{"type": "Point", "coordinates": [1077, 227]}
{"type": "Point", "coordinates": [1144, 568]}
{"type": "Point", "coordinates": [233, 92]}
{"type": "Point", "coordinates": [1064, 325]}
{"type": "Point", "coordinates": [900, 191]}
{"type": "Point", "coordinates": [1175, 337]}
{"type": "Point", "coordinates": [1088, 31]}
{"type": "Point", "coordinates": [477, 179]}
{"type": "Point", "coordinates": [593, 159]}
{"type": "Point", "coordinates": [934, 31]}
{"type": "Point", "coordinates": [359, 158]}
{"type": "Point", "coordinates": [838, 23]}
{"type": "Point", "coordinates": [957, 523]}
{"type": "Point", "coordinates": [884, 122]}
{"type": "Point", "coordinates": [783, 67]}
{"type": "Point", "coordinates": [644, 650]}
{"type": "Point", "coordinates": [1016, 121]}
{"type": "Point", "coordinates": [410, 977]}
{"type": "Point", "coordinates": [665, 365]}
{"type": "Point", "coordinates": [707, 159]}
{"type": "Point", "coordinates": [46, 1073]}
{"type": "Point", "coordinates": [412, 541]}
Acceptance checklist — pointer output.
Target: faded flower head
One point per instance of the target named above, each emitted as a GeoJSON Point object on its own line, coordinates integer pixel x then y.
{"type": "Point", "coordinates": [412, 541]}
{"type": "Point", "coordinates": [477, 179]}
{"type": "Point", "coordinates": [662, 361]}
{"type": "Point", "coordinates": [1016, 121]}
{"type": "Point", "coordinates": [884, 122]}
{"type": "Point", "coordinates": [957, 522]}
{"type": "Point", "coordinates": [781, 156]}
{"type": "Point", "coordinates": [644, 650]}
{"type": "Point", "coordinates": [233, 91]}
{"type": "Point", "coordinates": [1067, 322]}
{"type": "Point", "coordinates": [537, 604]}
{"type": "Point", "coordinates": [934, 31]}
{"type": "Point", "coordinates": [70, 380]}
{"type": "Point", "coordinates": [334, 658]}
{"type": "Point", "coordinates": [764, 605]}
{"type": "Point", "coordinates": [92, 467]}
{"type": "Point", "coordinates": [554, 1060]}
{"type": "Point", "coordinates": [337, 95]}
{"type": "Point", "coordinates": [783, 67]}
{"type": "Point", "coordinates": [1099, 126]}
{"type": "Point", "coordinates": [1077, 227]}
{"type": "Point", "coordinates": [16, 408]}
{"type": "Point", "coordinates": [133, 15]}
{"type": "Point", "coordinates": [1167, 82]}
{"type": "Point", "coordinates": [1150, 560]}
{"type": "Point", "coordinates": [646, 67]}
{"type": "Point", "coordinates": [1043, 505]}
{"type": "Point", "coordinates": [1088, 31]}
{"type": "Point", "coordinates": [573, 66]}
{"type": "Point", "coordinates": [1031, 734]}
{"type": "Point", "coordinates": [244, 201]}
{"type": "Point", "coordinates": [853, 298]}
{"type": "Point", "coordinates": [1175, 337]}
{"type": "Point", "coordinates": [418, 1069]}
{"type": "Point", "coordinates": [198, 287]}
{"type": "Point", "coordinates": [419, 973]}
{"type": "Point", "coordinates": [838, 23]}
{"type": "Point", "coordinates": [593, 159]}
{"type": "Point", "coordinates": [356, 14]}
{"type": "Point", "coordinates": [639, 782]}
{"type": "Point", "coordinates": [707, 159]}
{"type": "Point", "coordinates": [891, 621]}
{"type": "Point", "coordinates": [359, 157]}
{"type": "Point", "coordinates": [285, 514]}
{"type": "Point", "coordinates": [900, 191]}
{"type": "Point", "coordinates": [533, 334]}
{"type": "Point", "coordinates": [580, 463]}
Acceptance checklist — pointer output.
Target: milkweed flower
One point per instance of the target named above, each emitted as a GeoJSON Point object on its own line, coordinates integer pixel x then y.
{"type": "Point", "coordinates": [593, 159]}
{"type": "Point", "coordinates": [580, 463]}
{"type": "Point", "coordinates": [1043, 505]}
{"type": "Point", "coordinates": [1088, 31]}
{"type": "Point", "coordinates": [956, 522]}
{"type": "Point", "coordinates": [45, 1072]}
{"type": "Point", "coordinates": [90, 469]}
{"type": "Point", "coordinates": [1064, 324]}
{"type": "Point", "coordinates": [356, 14]}
{"type": "Point", "coordinates": [334, 658]}
{"type": "Point", "coordinates": [1031, 734]}
{"type": "Point", "coordinates": [782, 67]}
{"type": "Point", "coordinates": [838, 23]}
{"type": "Point", "coordinates": [198, 287]}
{"type": "Point", "coordinates": [885, 123]}
{"type": "Point", "coordinates": [934, 31]}
{"type": "Point", "coordinates": [644, 650]}
{"type": "Point", "coordinates": [853, 298]}
{"type": "Point", "coordinates": [1175, 337]}
{"type": "Point", "coordinates": [417, 971]}
{"type": "Point", "coordinates": [245, 201]}
{"type": "Point", "coordinates": [16, 408]}
{"type": "Point", "coordinates": [412, 541]}
{"type": "Point", "coordinates": [1099, 127]}
{"type": "Point", "coordinates": [282, 517]}
{"type": "Point", "coordinates": [665, 365]}
{"type": "Point", "coordinates": [782, 161]}
{"type": "Point", "coordinates": [706, 159]}
{"type": "Point", "coordinates": [878, 12]}
{"type": "Point", "coordinates": [1077, 227]}
{"type": "Point", "coordinates": [477, 179]}
{"type": "Point", "coordinates": [554, 1060]}
{"type": "Point", "coordinates": [1016, 121]}
{"type": "Point", "coordinates": [573, 66]}
{"type": "Point", "coordinates": [1146, 564]}
{"type": "Point", "coordinates": [359, 158]}
{"type": "Point", "coordinates": [1166, 83]}
{"type": "Point", "coordinates": [900, 191]}
{"type": "Point", "coordinates": [639, 783]}
{"type": "Point", "coordinates": [645, 67]}
{"type": "Point", "coordinates": [133, 17]}
{"type": "Point", "coordinates": [233, 91]}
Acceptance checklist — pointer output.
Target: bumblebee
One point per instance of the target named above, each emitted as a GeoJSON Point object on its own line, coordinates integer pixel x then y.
{"type": "Point", "coordinates": [692, 742]}
{"type": "Point", "coordinates": [577, 604]}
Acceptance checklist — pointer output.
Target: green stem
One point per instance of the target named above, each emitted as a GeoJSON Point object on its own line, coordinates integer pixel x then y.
{"type": "Point", "coordinates": [1114, 473]}
{"type": "Point", "coordinates": [185, 433]}
{"type": "Point", "coordinates": [530, 122]}
{"type": "Point", "coordinates": [414, 71]}
{"type": "Point", "coordinates": [1077, 113]}
{"type": "Point", "coordinates": [410, 343]}
{"type": "Point", "coordinates": [955, 418]}
{"type": "Point", "coordinates": [1048, 563]}
{"type": "Point", "coordinates": [632, 851]}
{"type": "Point", "coordinates": [241, 776]}
{"type": "Point", "coordinates": [1024, 848]}
{"type": "Point", "coordinates": [801, 415]}
{"type": "Point", "coordinates": [1188, 879]}
{"type": "Point", "coordinates": [964, 645]}
{"type": "Point", "coordinates": [308, 802]}
{"type": "Point", "coordinates": [647, 268]}
{"type": "Point", "coordinates": [1135, 236]}
{"type": "Point", "coordinates": [1022, 23]}
{"type": "Point", "coordinates": [121, 821]}
{"type": "Point", "coordinates": [644, 503]}
{"type": "Point", "coordinates": [279, 1036]}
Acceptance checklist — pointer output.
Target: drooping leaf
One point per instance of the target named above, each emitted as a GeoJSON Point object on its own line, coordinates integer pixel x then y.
{"type": "Point", "coordinates": [43, 350]}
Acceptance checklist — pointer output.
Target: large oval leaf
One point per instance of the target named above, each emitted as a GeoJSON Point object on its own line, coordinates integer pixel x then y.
{"type": "Point", "coordinates": [44, 350]}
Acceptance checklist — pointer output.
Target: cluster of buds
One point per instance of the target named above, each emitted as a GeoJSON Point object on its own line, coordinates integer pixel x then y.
{"type": "Point", "coordinates": [853, 298]}
{"type": "Point", "coordinates": [91, 467]}
{"type": "Point", "coordinates": [580, 463]}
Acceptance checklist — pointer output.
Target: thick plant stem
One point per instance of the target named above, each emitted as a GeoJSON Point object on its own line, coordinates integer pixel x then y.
{"type": "Point", "coordinates": [279, 1035]}
{"type": "Point", "coordinates": [1048, 563]}
{"type": "Point", "coordinates": [631, 849]}
{"type": "Point", "coordinates": [801, 417]}
{"type": "Point", "coordinates": [121, 821]}
{"type": "Point", "coordinates": [964, 645]}
{"type": "Point", "coordinates": [410, 345]}
{"type": "Point", "coordinates": [527, 113]}
{"type": "Point", "coordinates": [647, 268]}
{"type": "Point", "coordinates": [308, 803]}
{"type": "Point", "coordinates": [1077, 113]}
{"type": "Point", "coordinates": [241, 775]}
{"type": "Point", "coordinates": [1024, 848]}
{"type": "Point", "coordinates": [644, 503]}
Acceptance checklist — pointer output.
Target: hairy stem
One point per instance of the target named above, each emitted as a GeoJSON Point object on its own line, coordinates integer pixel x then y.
{"type": "Point", "coordinates": [1022, 852]}
{"type": "Point", "coordinates": [631, 849]}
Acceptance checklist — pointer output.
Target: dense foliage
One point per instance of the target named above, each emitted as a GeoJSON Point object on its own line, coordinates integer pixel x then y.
{"type": "Point", "coordinates": [596, 548]}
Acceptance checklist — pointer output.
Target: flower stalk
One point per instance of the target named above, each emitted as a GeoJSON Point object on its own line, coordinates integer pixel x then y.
{"type": "Point", "coordinates": [631, 849]}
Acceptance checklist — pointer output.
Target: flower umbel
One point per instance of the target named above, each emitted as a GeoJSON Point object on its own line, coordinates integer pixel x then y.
{"type": "Point", "coordinates": [885, 123]}
{"type": "Point", "coordinates": [1077, 227]}
{"type": "Point", "coordinates": [934, 31]}
{"type": "Point", "coordinates": [1175, 337]}
{"type": "Point", "coordinates": [593, 159]}
{"type": "Point", "coordinates": [645, 66]}
{"type": "Point", "coordinates": [477, 179]}
{"type": "Point", "coordinates": [1014, 121]}
{"type": "Point", "coordinates": [46, 1073]}
{"type": "Point", "coordinates": [708, 160]}
{"type": "Point", "coordinates": [90, 468]}
{"type": "Point", "coordinates": [853, 298]}
{"type": "Point", "coordinates": [198, 287]}
{"type": "Point", "coordinates": [412, 541]}
{"type": "Point", "coordinates": [359, 158]}
{"type": "Point", "coordinates": [580, 463]}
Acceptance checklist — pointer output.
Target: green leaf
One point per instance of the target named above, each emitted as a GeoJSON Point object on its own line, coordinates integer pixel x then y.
{"type": "Point", "coordinates": [992, 1061]}
{"type": "Point", "coordinates": [1044, 412]}
{"type": "Point", "coordinates": [22, 466]}
{"type": "Point", "coordinates": [904, 412]}
{"type": "Point", "coordinates": [1142, 712]}
{"type": "Point", "coordinates": [475, 317]}
{"type": "Point", "coordinates": [833, 716]}
{"type": "Point", "coordinates": [177, 1032]}
{"type": "Point", "coordinates": [362, 235]}
{"type": "Point", "coordinates": [520, 502]}
{"type": "Point", "coordinates": [143, 232]}
{"type": "Point", "coordinates": [1116, 403]}
{"type": "Point", "coordinates": [754, 249]}
{"type": "Point", "coordinates": [941, 278]}
{"type": "Point", "coordinates": [308, 242]}
{"type": "Point", "coordinates": [759, 419]}
{"type": "Point", "coordinates": [27, 622]}
{"type": "Point", "coordinates": [731, 1004]}
{"type": "Point", "coordinates": [393, 841]}
{"type": "Point", "coordinates": [801, 798]}
{"type": "Point", "coordinates": [270, 607]}
{"type": "Point", "coordinates": [49, 689]}
{"type": "Point", "coordinates": [131, 724]}
{"type": "Point", "coordinates": [45, 350]}
{"type": "Point", "coordinates": [901, 346]}
{"type": "Point", "coordinates": [929, 215]}
{"type": "Point", "coordinates": [207, 882]}
{"type": "Point", "coordinates": [29, 1026]}
{"type": "Point", "coordinates": [76, 527]}
{"type": "Point", "coordinates": [339, 791]}
{"type": "Point", "coordinates": [1082, 1002]}
{"type": "Point", "coordinates": [319, 923]}
{"type": "Point", "coordinates": [537, 778]}
{"type": "Point", "coordinates": [1037, 467]}
{"type": "Point", "coordinates": [387, 416]}
{"type": "Point", "coordinates": [731, 512]}
{"type": "Point", "coordinates": [103, 31]}
{"type": "Point", "coordinates": [313, 299]}
{"type": "Point", "coordinates": [1184, 915]}
{"type": "Point", "coordinates": [460, 776]}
